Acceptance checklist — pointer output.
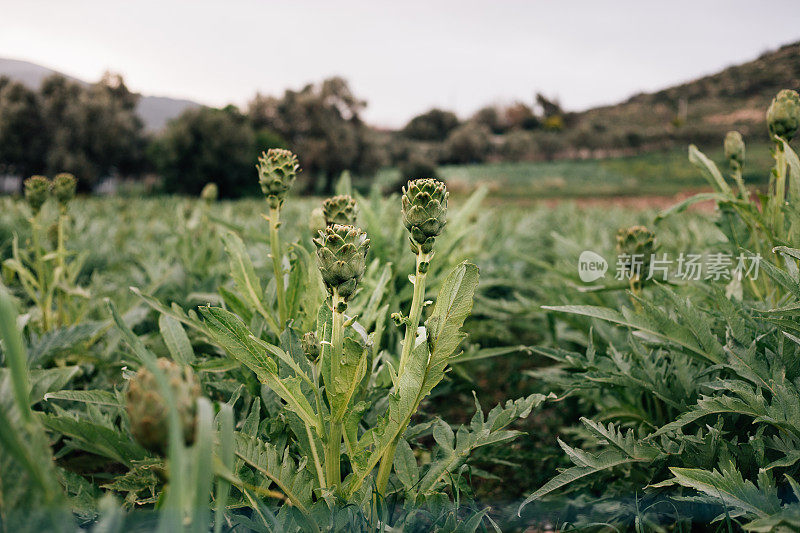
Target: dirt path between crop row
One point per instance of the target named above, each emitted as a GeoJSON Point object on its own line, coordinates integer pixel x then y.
{"type": "Point", "coordinates": [628, 202]}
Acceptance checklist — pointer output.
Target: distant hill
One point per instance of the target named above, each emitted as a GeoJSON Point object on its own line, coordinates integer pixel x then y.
{"type": "Point", "coordinates": [154, 111]}
{"type": "Point", "coordinates": [699, 111]}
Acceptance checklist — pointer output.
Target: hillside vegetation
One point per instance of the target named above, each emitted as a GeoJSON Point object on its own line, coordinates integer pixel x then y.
{"type": "Point", "coordinates": [700, 111]}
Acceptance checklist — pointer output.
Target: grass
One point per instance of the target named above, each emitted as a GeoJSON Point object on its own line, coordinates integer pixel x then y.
{"type": "Point", "coordinates": [652, 174]}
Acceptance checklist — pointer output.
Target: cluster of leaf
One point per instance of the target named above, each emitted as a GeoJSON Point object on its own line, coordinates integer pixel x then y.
{"type": "Point", "coordinates": [257, 457]}
{"type": "Point", "coordinates": [693, 403]}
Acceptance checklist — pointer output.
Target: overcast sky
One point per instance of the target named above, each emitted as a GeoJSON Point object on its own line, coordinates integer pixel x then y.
{"type": "Point", "coordinates": [403, 57]}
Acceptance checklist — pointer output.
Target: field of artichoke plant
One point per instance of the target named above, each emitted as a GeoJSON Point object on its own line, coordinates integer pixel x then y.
{"type": "Point", "coordinates": [410, 362]}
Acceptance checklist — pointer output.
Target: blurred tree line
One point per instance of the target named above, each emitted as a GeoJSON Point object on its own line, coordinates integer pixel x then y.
{"type": "Point", "coordinates": [93, 132]}
{"type": "Point", "coordinates": [514, 131]}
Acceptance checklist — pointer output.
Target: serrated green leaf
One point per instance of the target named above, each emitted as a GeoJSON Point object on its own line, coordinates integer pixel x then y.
{"type": "Point", "coordinates": [176, 339]}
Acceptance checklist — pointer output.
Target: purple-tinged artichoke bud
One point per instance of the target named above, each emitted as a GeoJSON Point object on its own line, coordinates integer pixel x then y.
{"type": "Point", "coordinates": [342, 253]}
{"type": "Point", "coordinates": [64, 186]}
{"type": "Point", "coordinates": [277, 170]}
{"type": "Point", "coordinates": [783, 115]}
{"type": "Point", "coordinates": [424, 212]}
{"type": "Point", "coordinates": [148, 411]}
{"type": "Point", "coordinates": [37, 189]}
{"type": "Point", "coordinates": [340, 209]}
{"type": "Point", "coordinates": [734, 149]}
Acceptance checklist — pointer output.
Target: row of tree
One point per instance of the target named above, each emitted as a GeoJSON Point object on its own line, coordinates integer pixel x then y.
{"type": "Point", "coordinates": [93, 132]}
{"type": "Point", "coordinates": [90, 131]}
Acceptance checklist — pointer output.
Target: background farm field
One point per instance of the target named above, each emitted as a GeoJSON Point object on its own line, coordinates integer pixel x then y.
{"type": "Point", "coordinates": [661, 173]}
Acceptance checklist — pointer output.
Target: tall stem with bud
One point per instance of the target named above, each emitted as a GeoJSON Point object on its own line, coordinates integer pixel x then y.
{"type": "Point", "coordinates": [277, 171]}
{"type": "Point", "coordinates": [424, 205]}
{"type": "Point", "coordinates": [342, 252]}
{"type": "Point", "coordinates": [64, 186]}
{"type": "Point", "coordinates": [37, 190]}
{"type": "Point", "coordinates": [783, 120]}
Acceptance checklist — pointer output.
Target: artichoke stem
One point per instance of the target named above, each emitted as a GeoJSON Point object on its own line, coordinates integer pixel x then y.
{"type": "Point", "coordinates": [423, 259]}
{"type": "Point", "coordinates": [61, 253]}
{"type": "Point", "coordinates": [415, 313]}
{"type": "Point", "coordinates": [780, 188]}
{"type": "Point", "coordinates": [737, 177]}
{"type": "Point", "coordinates": [332, 462]}
{"type": "Point", "coordinates": [275, 250]}
{"type": "Point", "coordinates": [39, 267]}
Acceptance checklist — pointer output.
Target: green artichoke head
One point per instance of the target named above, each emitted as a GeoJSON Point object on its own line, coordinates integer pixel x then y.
{"type": "Point", "coordinates": [734, 148]}
{"type": "Point", "coordinates": [277, 170]}
{"type": "Point", "coordinates": [148, 411]}
{"type": "Point", "coordinates": [340, 209]}
{"type": "Point", "coordinates": [210, 193]}
{"type": "Point", "coordinates": [64, 186]}
{"type": "Point", "coordinates": [783, 115]}
{"type": "Point", "coordinates": [424, 212]}
{"type": "Point", "coordinates": [636, 241]}
{"type": "Point", "coordinates": [342, 253]}
{"type": "Point", "coordinates": [37, 189]}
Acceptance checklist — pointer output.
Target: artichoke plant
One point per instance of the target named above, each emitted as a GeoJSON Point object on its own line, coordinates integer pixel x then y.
{"type": "Point", "coordinates": [64, 186]}
{"type": "Point", "coordinates": [148, 411]}
{"type": "Point", "coordinates": [734, 149]}
{"type": "Point", "coordinates": [277, 170]}
{"type": "Point", "coordinates": [342, 253]}
{"type": "Point", "coordinates": [37, 188]}
{"type": "Point", "coordinates": [636, 241]}
{"type": "Point", "coordinates": [424, 212]}
{"type": "Point", "coordinates": [340, 209]}
{"type": "Point", "coordinates": [783, 115]}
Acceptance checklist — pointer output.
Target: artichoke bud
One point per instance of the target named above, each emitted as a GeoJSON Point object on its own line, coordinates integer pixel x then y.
{"type": "Point", "coordinates": [636, 241]}
{"type": "Point", "coordinates": [734, 149]}
{"type": "Point", "coordinates": [210, 193]}
{"type": "Point", "coordinates": [424, 212]}
{"type": "Point", "coordinates": [783, 115]}
{"type": "Point", "coordinates": [64, 186]}
{"type": "Point", "coordinates": [310, 345]}
{"type": "Point", "coordinates": [37, 188]}
{"type": "Point", "coordinates": [340, 210]}
{"type": "Point", "coordinates": [342, 253]}
{"type": "Point", "coordinates": [277, 170]}
{"type": "Point", "coordinates": [148, 412]}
